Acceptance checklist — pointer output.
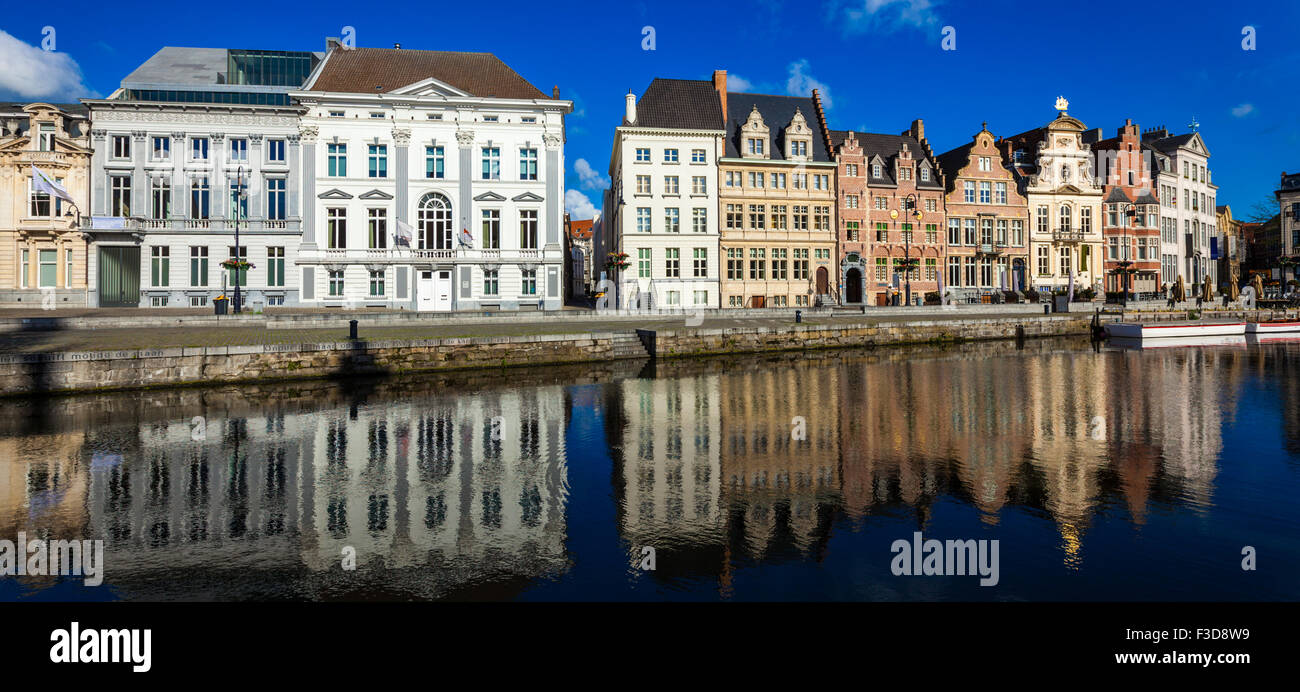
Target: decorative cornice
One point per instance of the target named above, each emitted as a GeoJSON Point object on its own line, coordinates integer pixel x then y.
{"type": "Point", "coordinates": [402, 136]}
{"type": "Point", "coordinates": [465, 138]}
{"type": "Point", "coordinates": [124, 116]}
{"type": "Point", "coordinates": [552, 140]}
{"type": "Point", "coordinates": [308, 133]}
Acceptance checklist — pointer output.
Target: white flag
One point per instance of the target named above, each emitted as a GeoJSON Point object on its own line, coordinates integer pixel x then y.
{"type": "Point", "coordinates": [466, 240]}
{"type": "Point", "coordinates": [403, 236]}
{"type": "Point", "coordinates": [42, 182]}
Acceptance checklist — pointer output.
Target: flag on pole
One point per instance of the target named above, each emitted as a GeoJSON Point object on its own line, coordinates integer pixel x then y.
{"type": "Point", "coordinates": [402, 238]}
{"type": "Point", "coordinates": [466, 240]}
{"type": "Point", "coordinates": [42, 182]}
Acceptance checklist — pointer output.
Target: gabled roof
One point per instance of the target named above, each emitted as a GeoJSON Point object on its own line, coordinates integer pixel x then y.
{"type": "Point", "coordinates": [680, 104]}
{"type": "Point", "coordinates": [580, 228]}
{"type": "Point", "coordinates": [887, 148]}
{"type": "Point", "coordinates": [777, 112]}
{"type": "Point", "coordinates": [382, 70]}
{"type": "Point", "coordinates": [1116, 195]}
{"type": "Point", "coordinates": [1146, 198]}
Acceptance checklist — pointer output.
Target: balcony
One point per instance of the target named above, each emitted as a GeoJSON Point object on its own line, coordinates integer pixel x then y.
{"type": "Point", "coordinates": [1061, 236]}
{"type": "Point", "coordinates": [42, 157]}
{"type": "Point", "coordinates": [991, 248]}
{"type": "Point", "coordinates": [408, 255]}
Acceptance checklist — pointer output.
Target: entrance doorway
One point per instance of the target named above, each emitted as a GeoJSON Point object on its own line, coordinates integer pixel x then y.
{"type": "Point", "coordinates": [434, 291]}
{"type": "Point", "coordinates": [853, 286]}
{"type": "Point", "coordinates": [823, 281]}
{"type": "Point", "coordinates": [119, 277]}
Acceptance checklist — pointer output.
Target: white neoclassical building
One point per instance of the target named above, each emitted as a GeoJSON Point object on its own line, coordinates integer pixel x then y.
{"type": "Point", "coordinates": [1187, 211]}
{"type": "Point", "coordinates": [1055, 171]}
{"type": "Point", "coordinates": [196, 144]}
{"type": "Point", "coordinates": [433, 181]}
{"type": "Point", "coordinates": [661, 210]}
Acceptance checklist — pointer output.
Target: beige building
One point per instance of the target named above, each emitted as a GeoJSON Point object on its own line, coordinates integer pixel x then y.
{"type": "Point", "coordinates": [776, 183]}
{"type": "Point", "coordinates": [1054, 169]}
{"type": "Point", "coordinates": [42, 250]}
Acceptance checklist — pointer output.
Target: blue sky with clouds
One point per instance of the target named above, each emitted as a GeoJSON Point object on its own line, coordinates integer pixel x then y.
{"type": "Point", "coordinates": [880, 63]}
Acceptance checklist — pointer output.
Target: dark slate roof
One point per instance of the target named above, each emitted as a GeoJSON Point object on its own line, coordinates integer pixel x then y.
{"type": "Point", "coordinates": [680, 104]}
{"type": "Point", "coordinates": [15, 108]}
{"type": "Point", "coordinates": [838, 137]}
{"type": "Point", "coordinates": [1166, 143]}
{"type": "Point", "coordinates": [1116, 195]}
{"type": "Point", "coordinates": [1147, 198]}
{"type": "Point", "coordinates": [887, 148]}
{"type": "Point", "coordinates": [1290, 182]}
{"type": "Point", "coordinates": [361, 70]}
{"type": "Point", "coordinates": [777, 112]}
{"type": "Point", "coordinates": [952, 161]}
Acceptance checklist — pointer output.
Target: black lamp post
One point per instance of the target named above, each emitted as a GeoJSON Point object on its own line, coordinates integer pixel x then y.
{"type": "Point", "coordinates": [912, 206]}
{"type": "Point", "coordinates": [241, 194]}
{"type": "Point", "coordinates": [1128, 211]}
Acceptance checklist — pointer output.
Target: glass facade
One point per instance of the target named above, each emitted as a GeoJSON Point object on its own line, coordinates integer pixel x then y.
{"type": "Point", "coordinates": [268, 67]}
{"type": "Point", "coordinates": [233, 97]}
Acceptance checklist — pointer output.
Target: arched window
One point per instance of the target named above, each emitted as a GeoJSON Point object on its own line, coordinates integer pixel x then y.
{"type": "Point", "coordinates": [435, 222]}
{"type": "Point", "coordinates": [1065, 217]}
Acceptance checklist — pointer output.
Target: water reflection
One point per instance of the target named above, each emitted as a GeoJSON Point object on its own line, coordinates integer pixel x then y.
{"type": "Point", "coordinates": [458, 486]}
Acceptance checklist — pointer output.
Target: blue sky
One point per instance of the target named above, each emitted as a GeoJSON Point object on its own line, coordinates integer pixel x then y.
{"type": "Point", "coordinates": [880, 62]}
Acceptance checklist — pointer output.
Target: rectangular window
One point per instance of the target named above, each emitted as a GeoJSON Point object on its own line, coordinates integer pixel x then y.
{"type": "Point", "coordinates": [643, 219]}
{"type": "Point", "coordinates": [698, 156]}
{"type": "Point", "coordinates": [48, 268]}
{"type": "Point", "coordinates": [162, 148]}
{"type": "Point", "coordinates": [239, 150]}
{"type": "Point", "coordinates": [528, 229]}
{"type": "Point", "coordinates": [119, 195]}
{"type": "Point", "coordinates": [199, 149]}
{"type": "Point", "coordinates": [275, 151]}
{"type": "Point", "coordinates": [986, 195]}
{"type": "Point", "coordinates": [699, 185]}
{"type": "Point", "coordinates": [198, 266]}
{"type": "Point", "coordinates": [757, 264]}
{"type": "Point", "coordinates": [643, 155]}
{"type": "Point", "coordinates": [643, 262]}
{"type": "Point", "coordinates": [275, 266]}
{"type": "Point", "coordinates": [435, 162]}
{"type": "Point", "coordinates": [376, 283]}
{"type": "Point", "coordinates": [700, 220]}
{"type": "Point", "coordinates": [491, 282]}
{"type": "Point", "coordinates": [528, 164]}
{"type": "Point", "coordinates": [529, 282]}
{"type": "Point", "coordinates": [377, 155]}
{"type": "Point", "coordinates": [491, 163]}
{"type": "Point", "coordinates": [238, 275]}
{"type": "Point", "coordinates": [336, 283]}
{"type": "Point", "coordinates": [24, 269]}
{"type": "Point", "coordinates": [160, 266]}
{"type": "Point", "coordinates": [670, 185]}
{"type": "Point", "coordinates": [238, 200]}
{"type": "Point", "coordinates": [160, 198]}
{"type": "Point", "coordinates": [46, 139]}
{"type": "Point", "coordinates": [338, 160]}
{"type": "Point", "coordinates": [700, 262]}
{"type": "Point", "coordinates": [1041, 216]}
{"type": "Point", "coordinates": [336, 224]}
{"type": "Point", "coordinates": [670, 156]}
{"type": "Point", "coordinates": [492, 229]}
{"type": "Point", "coordinates": [67, 269]}
{"type": "Point", "coordinates": [377, 225]}
{"type": "Point", "coordinates": [968, 189]}
{"type": "Point", "coordinates": [968, 228]}
{"type": "Point", "coordinates": [276, 198]}
{"type": "Point", "coordinates": [121, 146]}
{"type": "Point", "coordinates": [643, 184]}
{"type": "Point", "coordinates": [735, 264]}
{"type": "Point", "coordinates": [672, 220]}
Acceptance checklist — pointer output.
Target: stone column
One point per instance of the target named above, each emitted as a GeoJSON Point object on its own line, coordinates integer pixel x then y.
{"type": "Point", "coordinates": [252, 181]}
{"type": "Point", "coordinates": [308, 134]}
{"type": "Point", "coordinates": [402, 140]}
{"type": "Point", "coordinates": [292, 193]}
{"type": "Point", "coordinates": [139, 181]}
{"type": "Point", "coordinates": [98, 181]}
{"type": "Point", "coordinates": [180, 188]}
{"type": "Point", "coordinates": [217, 182]}
{"type": "Point", "coordinates": [554, 195]}
{"type": "Point", "coordinates": [465, 142]}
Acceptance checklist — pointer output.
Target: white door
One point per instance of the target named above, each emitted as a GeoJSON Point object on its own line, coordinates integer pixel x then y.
{"type": "Point", "coordinates": [442, 292]}
{"type": "Point", "coordinates": [425, 292]}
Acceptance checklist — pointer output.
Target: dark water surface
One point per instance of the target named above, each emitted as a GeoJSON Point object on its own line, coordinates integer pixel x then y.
{"type": "Point", "coordinates": [1104, 475]}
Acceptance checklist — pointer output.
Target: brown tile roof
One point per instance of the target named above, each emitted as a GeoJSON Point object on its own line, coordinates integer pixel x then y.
{"type": "Point", "coordinates": [682, 104]}
{"type": "Point", "coordinates": [361, 70]}
{"type": "Point", "coordinates": [580, 228]}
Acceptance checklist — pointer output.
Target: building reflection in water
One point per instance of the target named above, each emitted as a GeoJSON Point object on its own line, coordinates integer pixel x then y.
{"type": "Point", "coordinates": [459, 487]}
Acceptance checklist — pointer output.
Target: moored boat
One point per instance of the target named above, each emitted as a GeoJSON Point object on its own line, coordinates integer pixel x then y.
{"type": "Point", "coordinates": [1132, 330]}
{"type": "Point", "coordinates": [1273, 327]}
{"type": "Point", "coordinates": [1236, 340]}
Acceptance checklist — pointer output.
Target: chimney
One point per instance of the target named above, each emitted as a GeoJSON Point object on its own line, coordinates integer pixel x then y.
{"type": "Point", "coordinates": [555, 92]}
{"type": "Point", "coordinates": [332, 42]}
{"type": "Point", "coordinates": [630, 116]}
{"type": "Point", "coordinates": [397, 46]}
{"type": "Point", "coordinates": [918, 130]}
{"type": "Point", "coordinates": [720, 86]}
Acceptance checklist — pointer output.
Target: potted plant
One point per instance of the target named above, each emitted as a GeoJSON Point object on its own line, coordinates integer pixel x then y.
{"type": "Point", "coordinates": [617, 261]}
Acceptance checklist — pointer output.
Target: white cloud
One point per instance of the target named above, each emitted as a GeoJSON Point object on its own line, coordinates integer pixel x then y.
{"type": "Point", "coordinates": [737, 83]}
{"type": "Point", "coordinates": [887, 15]}
{"type": "Point", "coordinates": [801, 83]}
{"type": "Point", "coordinates": [1243, 110]}
{"type": "Point", "coordinates": [32, 74]}
{"type": "Point", "coordinates": [578, 206]}
{"type": "Point", "coordinates": [590, 177]}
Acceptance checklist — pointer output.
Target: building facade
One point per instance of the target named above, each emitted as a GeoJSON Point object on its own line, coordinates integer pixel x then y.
{"type": "Point", "coordinates": [198, 145]}
{"type": "Point", "coordinates": [901, 186]}
{"type": "Point", "coordinates": [660, 215]}
{"type": "Point", "coordinates": [1288, 199]}
{"type": "Point", "coordinates": [1231, 247]}
{"type": "Point", "coordinates": [987, 218]}
{"type": "Point", "coordinates": [1054, 170]}
{"type": "Point", "coordinates": [1183, 178]}
{"type": "Point", "coordinates": [577, 235]}
{"type": "Point", "coordinates": [1130, 218]}
{"type": "Point", "coordinates": [777, 202]}
{"type": "Point", "coordinates": [42, 249]}
{"type": "Point", "coordinates": [434, 181]}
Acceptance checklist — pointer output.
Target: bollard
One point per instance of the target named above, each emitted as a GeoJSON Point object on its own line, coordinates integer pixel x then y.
{"type": "Point", "coordinates": [352, 329]}
{"type": "Point", "coordinates": [798, 316]}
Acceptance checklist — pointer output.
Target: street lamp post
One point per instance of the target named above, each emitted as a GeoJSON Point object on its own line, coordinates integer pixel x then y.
{"type": "Point", "coordinates": [241, 194]}
{"type": "Point", "coordinates": [914, 208]}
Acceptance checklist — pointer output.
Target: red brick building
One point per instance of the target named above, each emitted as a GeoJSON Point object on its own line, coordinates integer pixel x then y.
{"type": "Point", "coordinates": [987, 241]}
{"type": "Point", "coordinates": [897, 198]}
{"type": "Point", "coordinates": [1130, 215]}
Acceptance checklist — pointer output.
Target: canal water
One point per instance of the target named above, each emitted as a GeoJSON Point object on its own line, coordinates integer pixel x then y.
{"type": "Point", "coordinates": [1102, 473]}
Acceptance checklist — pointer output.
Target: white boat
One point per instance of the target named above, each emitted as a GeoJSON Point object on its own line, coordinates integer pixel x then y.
{"type": "Point", "coordinates": [1130, 330]}
{"type": "Point", "coordinates": [1123, 343]}
{"type": "Point", "coordinates": [1273, 327]}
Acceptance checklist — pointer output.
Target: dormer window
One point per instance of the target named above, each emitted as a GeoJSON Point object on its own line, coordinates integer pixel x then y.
{"type": "Point", "coordinates": [755, 146]}
{"type": "Point", "coordinates": [798, 148]}
{"type": "Point", "coordinates": [904, 172]}
{"type": "Point", "coordinates": [925, 174]}
{"type": "Point", "coordinates": [45, 141]}
{"type": "Point", "coordinates": [876, 171]}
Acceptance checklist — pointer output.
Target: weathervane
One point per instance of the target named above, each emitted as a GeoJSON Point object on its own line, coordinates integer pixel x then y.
{"type": "Point", "coordinates": [1062, 104]}
{"type": "Point", "coordinates": [1194, 125]}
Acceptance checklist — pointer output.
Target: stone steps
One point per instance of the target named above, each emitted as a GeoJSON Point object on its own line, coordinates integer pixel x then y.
{"type": "Point", "coordinates": [627, 346]}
